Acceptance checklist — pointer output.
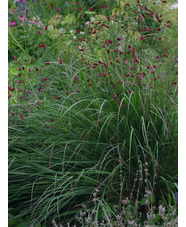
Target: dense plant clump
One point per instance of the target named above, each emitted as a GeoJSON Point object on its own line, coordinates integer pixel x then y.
{"type": "Point", "coordinates": [92, 96]}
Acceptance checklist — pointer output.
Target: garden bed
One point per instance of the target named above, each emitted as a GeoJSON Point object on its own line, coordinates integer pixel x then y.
{"type": "Point", "coordinates": [93, 114]}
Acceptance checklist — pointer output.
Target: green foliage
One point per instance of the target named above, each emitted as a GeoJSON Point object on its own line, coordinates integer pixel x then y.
{"type": "Point", "coordinates": [94, 120]}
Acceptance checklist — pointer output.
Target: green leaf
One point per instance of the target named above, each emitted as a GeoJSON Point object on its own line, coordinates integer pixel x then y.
{"type": "Point", "coordinates": [142, 203]}
{"type": "Point", "coordinates": [150, 199]}
{"type": "Point", "coordinates": [90, 13]}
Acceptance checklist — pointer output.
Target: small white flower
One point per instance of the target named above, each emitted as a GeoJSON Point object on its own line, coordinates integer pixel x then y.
{"type": "Point", "coordinates": [92, 18]}
{"type": "Point", "coordinates": [61, 30]}
{"type": "Point", "coordinates": [40, 24]}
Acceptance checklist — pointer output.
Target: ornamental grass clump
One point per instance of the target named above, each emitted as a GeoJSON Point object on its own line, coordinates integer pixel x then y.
{"type": "Point", "coordinates": [93, 115]}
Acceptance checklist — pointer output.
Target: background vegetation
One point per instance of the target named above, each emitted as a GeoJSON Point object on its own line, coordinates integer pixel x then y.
{"type": "Point", "coordinates": [92, 113]}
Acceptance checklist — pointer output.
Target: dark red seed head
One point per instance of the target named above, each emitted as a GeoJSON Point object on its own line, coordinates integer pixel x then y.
{"type": "Point", "coordinates": [42, 45]}
{"type": "Point", "coordinates": [10, 88]}
{"type": "Point", "coordinates": [143, 37]}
